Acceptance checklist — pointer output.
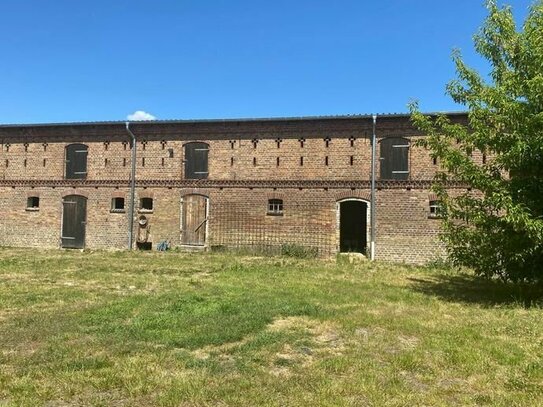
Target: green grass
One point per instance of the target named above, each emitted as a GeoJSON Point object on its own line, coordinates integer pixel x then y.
{"type": "Point", "coordinates": [171, 329]}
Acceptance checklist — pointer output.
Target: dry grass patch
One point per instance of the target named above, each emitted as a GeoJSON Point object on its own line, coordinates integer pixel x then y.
{"type": "Point", "coordinates": [172, 329]}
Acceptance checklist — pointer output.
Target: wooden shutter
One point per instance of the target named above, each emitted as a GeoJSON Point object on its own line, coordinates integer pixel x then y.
{"type": "Point", "coordinates": [394, 158]}
{"type": "Point", "coordinates": [385, 158]}
{"type": "Point", "coordinates": [196, 160]}
{"type": "Point", "coordinates": [76, 161]}
{"type": "Point", "coordinates": [400, 159]}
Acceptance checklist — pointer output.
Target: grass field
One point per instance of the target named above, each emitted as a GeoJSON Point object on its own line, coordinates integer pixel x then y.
{"type": "Point", "coordinates": [171, 329]}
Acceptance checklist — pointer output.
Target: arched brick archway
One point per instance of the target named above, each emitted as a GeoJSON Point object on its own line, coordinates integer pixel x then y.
{"type": "Point", "coordinates": [353, 223]}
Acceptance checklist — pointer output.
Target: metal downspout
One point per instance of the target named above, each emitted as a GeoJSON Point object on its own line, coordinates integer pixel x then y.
{"type": "Point", "coordinates": [132, 189]}
{"type": "Point", "coordinates": [372, 209]}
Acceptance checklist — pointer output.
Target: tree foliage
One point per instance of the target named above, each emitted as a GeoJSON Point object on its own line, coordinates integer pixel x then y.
{"type": "Point", "coordinates": [495, 226]}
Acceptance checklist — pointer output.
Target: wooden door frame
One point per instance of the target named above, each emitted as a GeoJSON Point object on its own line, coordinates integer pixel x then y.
{"type": "Point", "coordinates": [62, 220]}
{"type": "Point", "coordinates": [338, 221]}
{"type": "Point", "coordinates": [181, 225]}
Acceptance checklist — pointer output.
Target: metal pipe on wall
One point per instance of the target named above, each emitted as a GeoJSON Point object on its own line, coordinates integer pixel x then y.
{"type": "Point", "coordinates": [132, 189]}
{"type": "Point", "coordinates": [372, 209]}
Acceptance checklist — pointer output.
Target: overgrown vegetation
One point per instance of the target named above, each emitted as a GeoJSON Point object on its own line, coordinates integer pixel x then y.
{"type": "Point", "coordinates": [173, 329]}
{"type": "Point", "coordinates": [496, 229]}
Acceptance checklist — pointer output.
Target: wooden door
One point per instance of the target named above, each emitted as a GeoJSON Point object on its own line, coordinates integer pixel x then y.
{"type": "Point", "coordinates": [194, 220]}
{"type": "Point", "coordinates": [74, 219]}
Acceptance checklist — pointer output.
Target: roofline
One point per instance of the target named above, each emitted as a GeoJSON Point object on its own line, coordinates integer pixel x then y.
{"type": "Point", "coordinates": [230, 120]}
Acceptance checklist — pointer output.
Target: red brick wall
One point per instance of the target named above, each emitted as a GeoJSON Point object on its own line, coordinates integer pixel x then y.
{"type": "Point", "coordinates": [32, 162]}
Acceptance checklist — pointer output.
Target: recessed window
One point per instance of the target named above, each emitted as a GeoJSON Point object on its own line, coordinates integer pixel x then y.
{"type": "Point", "coordinates": [117, 205]}
{"type": "Point", "coordinates": [33, 203]}
{"type": "Point", "coordinates": [146, 204]}
{"type": "Point", "coordinates": [436, 209]}
{"type": "Point", "coordinates": [275, 207]}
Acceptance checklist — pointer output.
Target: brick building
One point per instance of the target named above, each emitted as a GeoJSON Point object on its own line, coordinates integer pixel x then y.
{"type": "Point", "coordinates": [220, 183]}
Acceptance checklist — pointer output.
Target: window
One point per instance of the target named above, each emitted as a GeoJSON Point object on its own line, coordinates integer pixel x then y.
{"type": "Point", "coordinates": [275, 207]}
{"type": "Point", "coordinates": [146, 204]}
{"type": "Point", "coordinates": [76, 161]}
{"type": "Point", "coordinates": [436, 209]}
{"type": "Point", "coordinates": [117, 205]}
{"type": "Point", "coordinates": [33, 203]}
{"type": "Point", "coordinates": [394, 158]}
{"type": "Point", "coordinates": [196, 160]}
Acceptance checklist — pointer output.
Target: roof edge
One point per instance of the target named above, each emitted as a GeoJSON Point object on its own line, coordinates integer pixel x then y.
{"type": "Point", "coordinates": [230, 120]}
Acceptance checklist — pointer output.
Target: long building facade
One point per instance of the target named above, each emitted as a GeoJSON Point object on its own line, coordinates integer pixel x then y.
{"type": "Point", "coordinates": [212, 184]}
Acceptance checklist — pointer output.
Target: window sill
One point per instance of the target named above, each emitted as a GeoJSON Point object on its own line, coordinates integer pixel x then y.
{"type": "Point", "coordinates": [273, 214]}
{"type": "Point", "coordinates": [32, 209]}
{"type": "Point", "coordinates": [145, 211]}
{"type": "Point", "coordinates": [117, 211]}
{"type": "Point", "coordinates": [437, 217]}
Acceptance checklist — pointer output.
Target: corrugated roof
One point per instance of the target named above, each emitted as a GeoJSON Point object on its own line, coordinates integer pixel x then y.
{"type": "Point", "coordinates": [229, 120]}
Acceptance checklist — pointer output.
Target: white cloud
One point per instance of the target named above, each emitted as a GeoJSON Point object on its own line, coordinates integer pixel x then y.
{"type": "Point", "coordinates": [140, 115]}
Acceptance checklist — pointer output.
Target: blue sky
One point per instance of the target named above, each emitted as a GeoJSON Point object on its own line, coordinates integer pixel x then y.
{"type": "Point", "coordinates": [65, 60]}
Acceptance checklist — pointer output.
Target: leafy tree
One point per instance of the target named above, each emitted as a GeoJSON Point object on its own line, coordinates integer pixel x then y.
{"type": "Point", "coordinates": [496, 228]}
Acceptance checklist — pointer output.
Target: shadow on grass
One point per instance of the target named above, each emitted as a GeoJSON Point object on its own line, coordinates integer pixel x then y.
{"type": "Point", "coordinates": [477, 290]}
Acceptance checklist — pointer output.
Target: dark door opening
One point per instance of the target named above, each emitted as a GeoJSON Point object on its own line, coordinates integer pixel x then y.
{"type": "Point", "coordinates": [74, 219]}
{"type": "Point", "coordinates": [352, 226]}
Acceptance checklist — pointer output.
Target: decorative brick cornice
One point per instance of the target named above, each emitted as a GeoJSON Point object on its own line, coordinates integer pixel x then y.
{"type": "Point", "coordinates": [209, 183]}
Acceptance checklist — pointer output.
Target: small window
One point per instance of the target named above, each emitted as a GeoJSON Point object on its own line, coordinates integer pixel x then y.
{"type": "Point", "coordinates": [146, 204]}
{"type": "Point", "coordinates": [33, 203]}
{"type": "Point", "coordinates": [436, 209]}
{"type": "Point", "coordinates": [275, 207]}
{"type": "Point", "coordinates": [117, 205]}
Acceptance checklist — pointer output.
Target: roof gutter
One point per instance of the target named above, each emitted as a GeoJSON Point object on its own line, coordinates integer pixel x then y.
{"type": "Point", "coordinates": [132, 189]}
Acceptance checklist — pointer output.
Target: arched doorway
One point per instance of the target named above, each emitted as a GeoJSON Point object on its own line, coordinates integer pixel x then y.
{"type": "Point", "coordinates": [353, 225]}
{"type": "Point", "coordinates": [74, 220]}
